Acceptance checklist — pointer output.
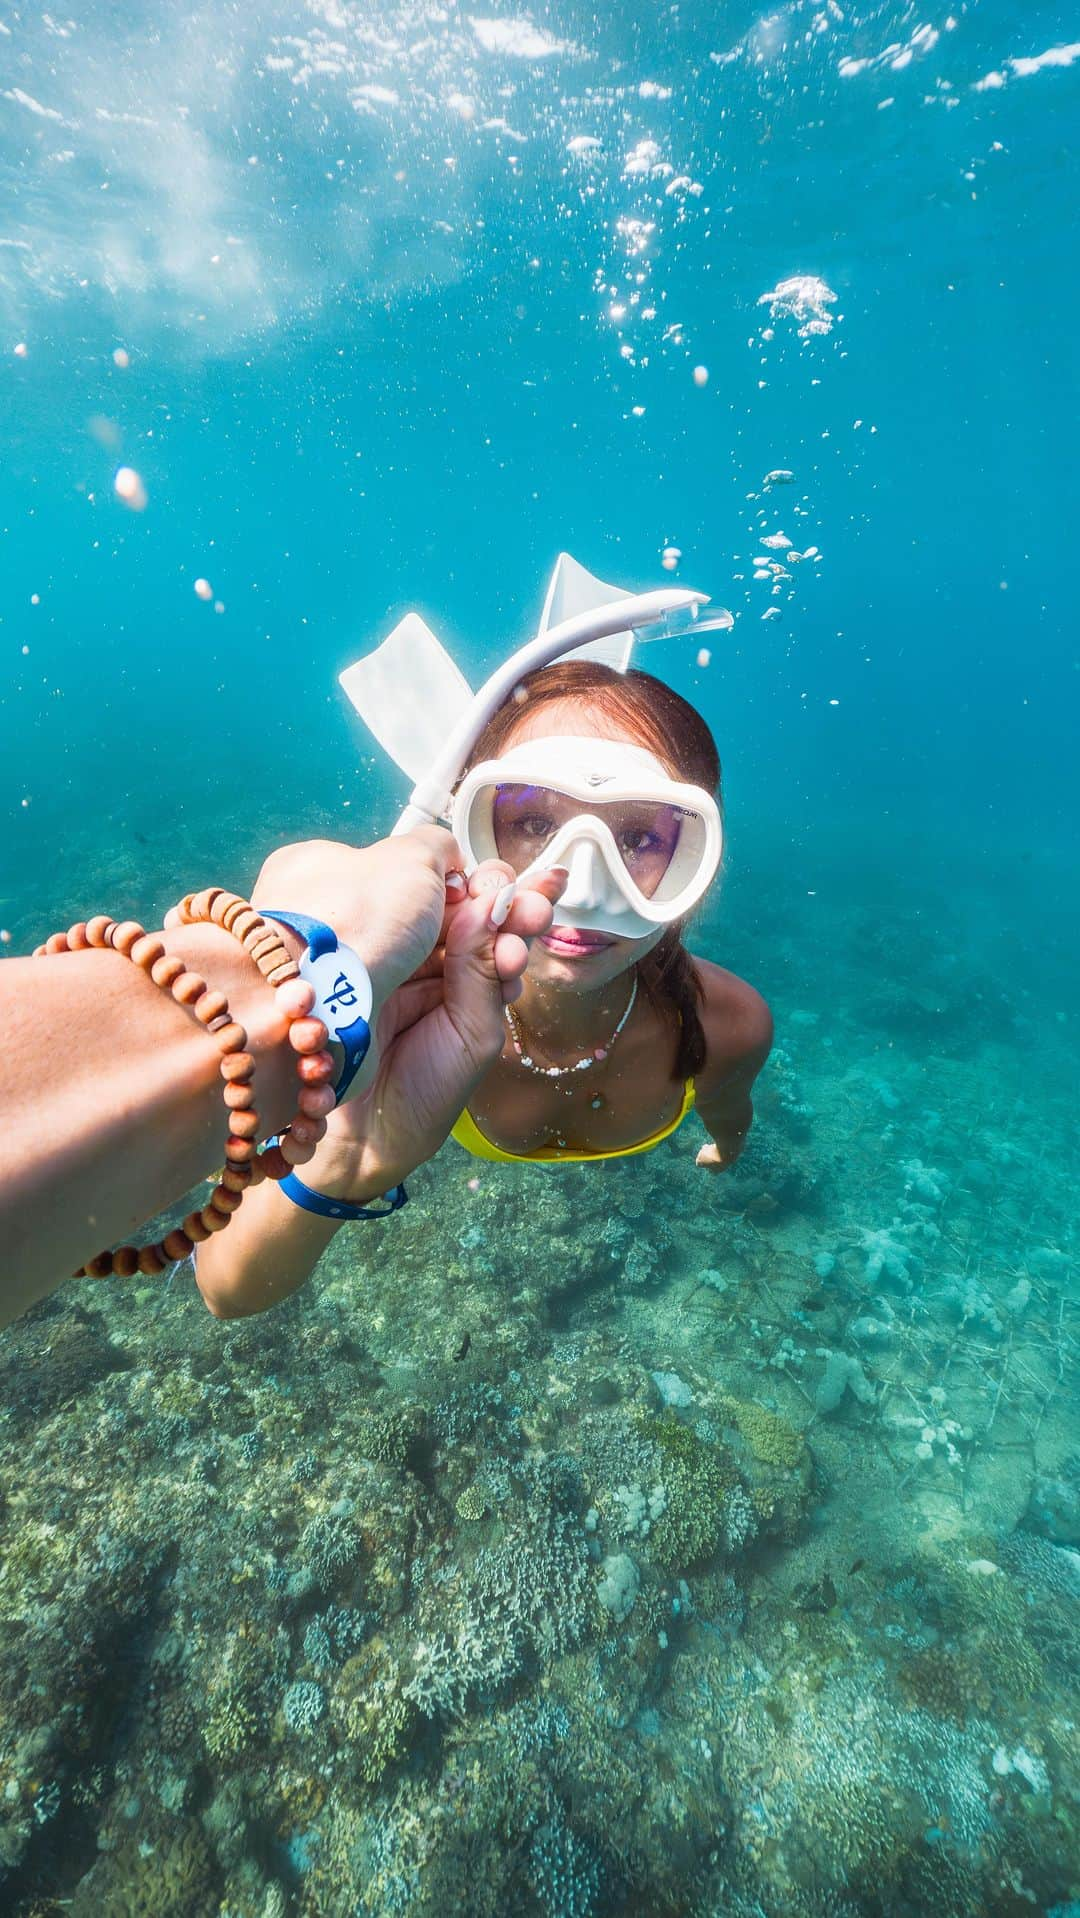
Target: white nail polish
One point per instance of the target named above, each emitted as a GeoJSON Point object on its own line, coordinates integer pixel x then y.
{"type": "Point", "coordinates": [502, 903]}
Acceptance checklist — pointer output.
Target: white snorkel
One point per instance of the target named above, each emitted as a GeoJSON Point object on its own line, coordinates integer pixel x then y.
{"type": "Point", "coordinates": [423, 713]}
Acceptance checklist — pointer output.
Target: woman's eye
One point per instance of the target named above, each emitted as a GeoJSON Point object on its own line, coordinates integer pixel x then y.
{"type": "Point", "coordinates": [535, 825]}
{"type": "Point", "coordinates": [639, 841]}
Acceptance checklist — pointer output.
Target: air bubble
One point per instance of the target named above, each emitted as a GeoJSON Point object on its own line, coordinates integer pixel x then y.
{"type": "Point", "coordinates": [129, 488]}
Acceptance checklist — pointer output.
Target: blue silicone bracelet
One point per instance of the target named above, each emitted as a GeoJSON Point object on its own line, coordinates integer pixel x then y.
{"type": "Point", "coordinates": [302, 1195]}
{"type": "Point", "coordinates": [310, 1201]}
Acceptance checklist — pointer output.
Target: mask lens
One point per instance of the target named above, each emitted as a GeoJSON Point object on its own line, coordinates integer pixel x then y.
{"type": "Point", "coordinates": [646, 834]}
{"type": "Point", "coordinates": [526, 819]}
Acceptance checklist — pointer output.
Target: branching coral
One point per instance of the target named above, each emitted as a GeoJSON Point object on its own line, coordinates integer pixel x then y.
{"type": "Point", "coordinates": [452, 1667]}
{"type": "Point", "coordinates": [330, 1547]}
{"type": "Point", "coordinates": [303, 1705]}
{"type": "Point", "coordinates": [232, 1721]}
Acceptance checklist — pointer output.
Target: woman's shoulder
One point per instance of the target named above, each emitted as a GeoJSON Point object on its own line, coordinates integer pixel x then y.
{"type": "Point", "coordinates": [737, 1023]}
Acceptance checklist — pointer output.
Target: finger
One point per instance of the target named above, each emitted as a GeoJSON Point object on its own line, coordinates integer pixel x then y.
{"type": "Point", "coordinates": [457, 890]}
{"type": "Point", "coordinates": [473, 986]}
{"type": "Point", "coordinates": [546, 886]}
{"type": "Point", "coordinates": [511, 956]}
{"type": "Point", "coordinates": [530, 915]}
{"type": "Point", "coordinates": [551, 883]}
{"type": "Point", "coordinates": [491, 875]}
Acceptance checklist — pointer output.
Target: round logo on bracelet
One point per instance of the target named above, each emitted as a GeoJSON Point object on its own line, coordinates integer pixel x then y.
{"type": "Point", "coordinates": [343, 1000]}
{"type": "Point", "coordinates": [343, 989]}
{"type": "Point", "coordinates": [342, 986]}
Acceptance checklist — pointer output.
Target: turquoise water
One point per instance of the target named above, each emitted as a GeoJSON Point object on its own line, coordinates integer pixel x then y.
{"type": "Point", "coordinates": [383, 308]}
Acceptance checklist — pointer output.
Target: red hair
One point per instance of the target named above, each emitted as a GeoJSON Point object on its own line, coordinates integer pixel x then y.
{"type": "Point", "coordinates": [645, 710]}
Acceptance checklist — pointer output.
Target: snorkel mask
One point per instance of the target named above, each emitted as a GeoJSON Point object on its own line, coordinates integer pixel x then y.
{"type": "Point", "coordinates": [641, 847]}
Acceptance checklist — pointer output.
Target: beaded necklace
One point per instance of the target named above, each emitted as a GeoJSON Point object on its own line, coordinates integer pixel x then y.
{"type": "Point", "coordinates": [596, 1057]}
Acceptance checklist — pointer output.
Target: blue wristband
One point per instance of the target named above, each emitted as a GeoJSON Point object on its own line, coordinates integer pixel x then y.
{"type": "Point", "coordinates": [342, 987]}
{"type": "Point", "coordinates": [342, 1209]}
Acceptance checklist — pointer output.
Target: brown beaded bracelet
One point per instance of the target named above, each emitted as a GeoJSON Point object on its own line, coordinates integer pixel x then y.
{"type": "Point", "coordinates": [245, 1165]}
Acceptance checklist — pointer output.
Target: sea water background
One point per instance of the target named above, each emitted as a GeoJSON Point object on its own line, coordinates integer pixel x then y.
{"type": "Point", "coordinates": [407, 301]}
{"type": "Point", "coordinates": [371, 369]}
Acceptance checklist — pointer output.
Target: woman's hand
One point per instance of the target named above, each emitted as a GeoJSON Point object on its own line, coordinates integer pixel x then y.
{"type": "Point", "coordinates": [438, 1034]}
{"type": "Point", "coordinates": [711, 1157]}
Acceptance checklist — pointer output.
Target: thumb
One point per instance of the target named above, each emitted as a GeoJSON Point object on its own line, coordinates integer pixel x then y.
{"type": "Point", "coordinates": [482, 959]}
{"type": "Point", "coordinates": [472, 986]}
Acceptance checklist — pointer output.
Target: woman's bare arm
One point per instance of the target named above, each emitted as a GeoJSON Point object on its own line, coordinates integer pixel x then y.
{"type": "Point", "coordinates": [738, 1036]}
{"type": "Point", "coordinates": [272, 1246]}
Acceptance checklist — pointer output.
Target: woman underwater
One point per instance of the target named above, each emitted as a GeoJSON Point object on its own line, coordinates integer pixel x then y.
{"type": "Point", "coordinates": [616, 1033]}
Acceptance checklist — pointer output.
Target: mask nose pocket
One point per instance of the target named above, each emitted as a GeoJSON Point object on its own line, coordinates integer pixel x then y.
{"type": "Point", "coordinates": [586, 887]}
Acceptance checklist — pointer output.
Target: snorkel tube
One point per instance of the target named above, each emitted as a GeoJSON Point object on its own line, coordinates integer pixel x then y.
{"type": "Point", "coordinates": [430, 798]}
{"type": "Point", "coordinates": [420, 707]}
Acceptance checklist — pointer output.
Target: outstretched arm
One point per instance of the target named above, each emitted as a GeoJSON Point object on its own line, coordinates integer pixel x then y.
{"type": "Point", "coordinates": [111, 1093]}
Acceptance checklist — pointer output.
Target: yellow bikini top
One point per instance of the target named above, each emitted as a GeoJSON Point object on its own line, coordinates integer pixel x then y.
{"type": "Point", "coordinates": [468, 1134]}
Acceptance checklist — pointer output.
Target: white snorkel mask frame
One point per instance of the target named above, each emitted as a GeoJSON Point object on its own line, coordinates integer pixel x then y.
{"type": "Point", "coordinates": [609, 779]}
{"type": "Point", "coordinates": [423, 713]}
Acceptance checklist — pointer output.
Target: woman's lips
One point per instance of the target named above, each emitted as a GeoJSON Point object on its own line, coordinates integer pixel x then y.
{"type": "Point", "coordinates": [570, 942]}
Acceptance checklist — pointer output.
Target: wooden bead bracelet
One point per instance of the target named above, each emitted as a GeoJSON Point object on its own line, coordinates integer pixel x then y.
{"type": "Point", "coordinates": [245, 1165]}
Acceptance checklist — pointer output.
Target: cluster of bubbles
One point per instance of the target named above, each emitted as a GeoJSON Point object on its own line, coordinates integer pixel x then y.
{"type": "Point", "coordinates": [803, 298]}
{"type": "Point", "coordinates": [657, 197]}
{"type": "Point", "coordinates": [776, 554]}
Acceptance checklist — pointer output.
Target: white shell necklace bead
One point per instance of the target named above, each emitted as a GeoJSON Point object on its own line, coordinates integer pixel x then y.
{"type": "Point", "coordinates": [594, 1058]}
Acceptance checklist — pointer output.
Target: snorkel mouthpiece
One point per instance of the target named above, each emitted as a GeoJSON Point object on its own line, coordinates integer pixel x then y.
{"type": "Point", "coordinates": [688, 622]}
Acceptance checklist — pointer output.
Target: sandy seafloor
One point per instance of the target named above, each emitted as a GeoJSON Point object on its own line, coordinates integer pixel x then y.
{"type": "Point", "coordinates": [596, 1540]}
